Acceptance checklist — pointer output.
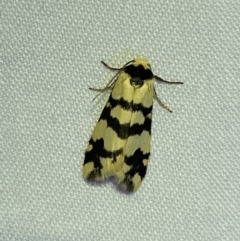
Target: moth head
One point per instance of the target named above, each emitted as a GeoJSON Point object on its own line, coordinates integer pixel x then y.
{"type": "Point", "coordinates": [139, 71]}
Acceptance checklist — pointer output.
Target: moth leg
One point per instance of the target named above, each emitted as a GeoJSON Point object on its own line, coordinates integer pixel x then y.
{"type": "Point", "coordinates": [109, 86]}
{"type": "Point", "coordinates": [111, 83]}
{"type": "Point", "coordinates": [161, 103]}
{"type": "Point", "coordinates": [100, 90]}
{"type": "Point", "coordinates": [165, 81]}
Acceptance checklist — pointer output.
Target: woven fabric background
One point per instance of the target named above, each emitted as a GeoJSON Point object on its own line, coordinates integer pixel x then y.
{"type": "Point", "coordinates": [50, 56]}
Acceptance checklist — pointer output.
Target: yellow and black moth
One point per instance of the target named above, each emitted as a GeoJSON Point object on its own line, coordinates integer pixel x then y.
{"type": "Point", "coordinates": [120, 142]}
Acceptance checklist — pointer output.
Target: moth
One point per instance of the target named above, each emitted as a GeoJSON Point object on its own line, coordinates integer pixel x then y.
{"type": "Point", "coordinates": [120, 142]}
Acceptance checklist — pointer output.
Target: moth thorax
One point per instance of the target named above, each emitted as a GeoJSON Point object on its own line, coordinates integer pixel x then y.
{"type": "Point", "coordinates": [136, 82]}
